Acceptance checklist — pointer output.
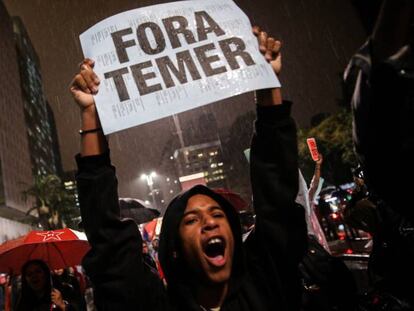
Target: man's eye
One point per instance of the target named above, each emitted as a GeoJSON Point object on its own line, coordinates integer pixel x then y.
{"type": "Point", "coordinates": [218, 215]}
{"type": "Point", "coordinates": [190, 221]}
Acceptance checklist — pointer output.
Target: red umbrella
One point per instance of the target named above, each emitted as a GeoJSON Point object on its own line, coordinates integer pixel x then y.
{"type": "Point", "coordinates": [58, 248]}
{"type": "Point", "coordinates": [234, 198]}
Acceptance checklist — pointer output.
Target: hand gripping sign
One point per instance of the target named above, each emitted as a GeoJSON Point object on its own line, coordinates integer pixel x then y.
{"type": "Point", "coordinates": [160, 60]}
{"type": "Point", "coordinates": [313, 148]}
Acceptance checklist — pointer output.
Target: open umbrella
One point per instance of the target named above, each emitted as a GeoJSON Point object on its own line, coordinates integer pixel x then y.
{"type": "Point", "coordinates": [138, 210]}
{"type": "Point", "coordinates": [234, 199]}
{"type": "Point", "coordinates": [58, 248]}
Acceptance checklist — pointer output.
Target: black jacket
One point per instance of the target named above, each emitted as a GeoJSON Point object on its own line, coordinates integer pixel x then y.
{"type": "Point", "coordinates": [383, 127]}
{"type": "Point", "coordinates": [265, 267]}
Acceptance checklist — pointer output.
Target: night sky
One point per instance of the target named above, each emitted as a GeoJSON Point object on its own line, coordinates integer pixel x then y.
{"type": "Point", "coordinates": [319, 37]}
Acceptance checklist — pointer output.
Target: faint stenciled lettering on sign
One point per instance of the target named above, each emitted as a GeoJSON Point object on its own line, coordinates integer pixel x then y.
{"type": "Point", "coordinates": [164, 59]}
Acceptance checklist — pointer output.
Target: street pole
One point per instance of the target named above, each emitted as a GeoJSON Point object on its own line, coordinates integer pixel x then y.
{"type": "Point", "coordinates": [150, 183]}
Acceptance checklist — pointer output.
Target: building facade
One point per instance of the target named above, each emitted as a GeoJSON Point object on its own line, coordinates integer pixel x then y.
{"type": "Point", "coordinates": [15, 164]}
{"type": "Point", "coordinates": [206, 159]}
{"type": "Point", "coordinates": [39, 117]}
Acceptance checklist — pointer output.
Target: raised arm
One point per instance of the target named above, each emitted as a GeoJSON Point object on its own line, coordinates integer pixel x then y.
{"type": "Point", "coordinates": [315, 179]}
{"type": "Point", "coordinates": [83, 87]}
{"type": "Point", "coordinates": [280, 223]}
{"type": "Point", "coordinates": [114, 264]}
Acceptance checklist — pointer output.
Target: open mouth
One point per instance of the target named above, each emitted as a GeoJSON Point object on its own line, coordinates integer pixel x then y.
{"type": "Point", "coordinates": [214, 249]}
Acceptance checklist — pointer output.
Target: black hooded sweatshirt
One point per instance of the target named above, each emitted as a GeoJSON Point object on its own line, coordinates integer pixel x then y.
{"type": "Point", "coordinates": [264, 275]}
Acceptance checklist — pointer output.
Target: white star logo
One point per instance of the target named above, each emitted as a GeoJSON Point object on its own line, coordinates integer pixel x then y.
{"type": "Point", "coordinates": [51, 235]}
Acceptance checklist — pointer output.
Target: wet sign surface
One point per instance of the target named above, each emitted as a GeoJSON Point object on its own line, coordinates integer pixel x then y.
{"type": "Point", "coordinates": [164, 59]}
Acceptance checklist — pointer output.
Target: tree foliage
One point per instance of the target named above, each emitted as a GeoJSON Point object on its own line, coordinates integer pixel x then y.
{"type": "Point", "coordinates": [334, 138]}
{"type": "Point", "coordinates": [54, 204]}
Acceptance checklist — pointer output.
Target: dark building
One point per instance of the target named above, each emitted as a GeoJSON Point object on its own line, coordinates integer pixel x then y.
{"type": "Point", "coordinates": [205, 159]}
{"type": "Point", "coordinates": [55, 140]}
{"type": "Point", "coordinates": [15, 168]}
{"type": "Point", "coordinates": [39, 117]}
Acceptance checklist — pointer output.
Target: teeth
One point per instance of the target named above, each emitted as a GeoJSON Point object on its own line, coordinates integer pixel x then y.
{"type": "Point", "coordinates": [214, 241]}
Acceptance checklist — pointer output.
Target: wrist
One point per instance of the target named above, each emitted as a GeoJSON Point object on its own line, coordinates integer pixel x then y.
{"type": "Point", "coordinates": [90, 118]}
{"type": "Point", "coordinates": [269, 97]}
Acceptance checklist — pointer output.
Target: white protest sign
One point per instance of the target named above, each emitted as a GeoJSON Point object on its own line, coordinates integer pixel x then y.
{"type": "Point", "coordinates": [160, 60]}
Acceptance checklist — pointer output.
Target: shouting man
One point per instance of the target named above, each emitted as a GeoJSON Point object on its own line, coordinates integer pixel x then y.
{"type": "Point", "coordinates": [206, 265]}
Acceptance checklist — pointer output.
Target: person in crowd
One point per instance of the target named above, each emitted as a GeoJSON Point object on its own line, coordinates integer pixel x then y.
{"type": "Point", "coordinates": [314, 226]}
{"type": "Point", "coordinates": [381, 75]}
{"type": "Point", "coordinates": [206, 265]}
{"type": "Point", "coordinates": [327, 282]}
{"type": "Point", "coordinates": [360, 212]}
{"type": "Point", "coordinates": [155, 243]}
{"type": "Point", "coordinates": [69, 285]}
{"type": "Point", "coordinates": [37, 292]}
{"type": "Point", "coordinates": [148, 259]}
{"type": "Point", "coordinates": [392, 254]}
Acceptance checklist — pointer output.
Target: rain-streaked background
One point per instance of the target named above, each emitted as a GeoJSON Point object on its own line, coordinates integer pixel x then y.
{"type": "Point", "coordinates": [319, 37]}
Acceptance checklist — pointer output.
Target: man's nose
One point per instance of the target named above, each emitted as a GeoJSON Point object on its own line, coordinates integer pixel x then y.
{"type": "Point", "coordinates": [210, 223]}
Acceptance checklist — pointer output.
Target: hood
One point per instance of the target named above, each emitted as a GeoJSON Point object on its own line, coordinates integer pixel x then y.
{"type": "Point", "coordinates": [175, 270]}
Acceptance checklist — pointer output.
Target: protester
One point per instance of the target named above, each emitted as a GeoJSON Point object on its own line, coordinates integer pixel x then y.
{"type": "Point", "coordinates": [69, 285]}
{"type": "Point", "coordinates": [381, 74]}
{"type": "Point", "coordinates": [200, 249]}
{"type": "Point", "coordinates": [37, 292]}
{"type": "Point", "coordinates": [148, 259]}
{"type": "Point", "coordinates": [327, 282]}
{"type": "Point", "coordinates": [390, 263]}
{"type": "Point", "coordinates": [314, 226]}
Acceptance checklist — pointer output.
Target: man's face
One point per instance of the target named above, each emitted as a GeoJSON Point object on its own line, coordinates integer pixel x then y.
{"type": "Point", "coordinates": [144, 248]}
{"type": "Point", "coordinates": [207, 239]}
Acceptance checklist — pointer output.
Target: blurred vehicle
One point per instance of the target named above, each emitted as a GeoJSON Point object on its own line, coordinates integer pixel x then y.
{"type": "Point", "coordinates": [331, 204]}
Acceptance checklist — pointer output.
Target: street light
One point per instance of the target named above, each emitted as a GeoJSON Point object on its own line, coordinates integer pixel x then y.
{"type": "Point", "coordinates": [150, 182]}
{"type": "Point", "coordinates": [149, 178]}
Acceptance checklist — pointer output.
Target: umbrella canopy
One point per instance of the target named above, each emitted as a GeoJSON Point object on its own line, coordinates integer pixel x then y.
{"type": "Point", "coordinates": [58, 248]}
{"type": "Point", "coordinates": [138, 210]}
{"type": "Point", "coordinates": [234, 198]}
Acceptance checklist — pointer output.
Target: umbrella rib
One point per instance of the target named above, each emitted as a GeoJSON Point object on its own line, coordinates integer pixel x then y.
{"type": "Point", "coordinates": [36, 245]}
{"type": "Point", "coordinates": [61, 254]}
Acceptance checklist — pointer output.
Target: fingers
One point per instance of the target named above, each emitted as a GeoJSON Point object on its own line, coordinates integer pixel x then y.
{"type": "Point", "coordinates": [270, 42]}
{"type": "Point", "coordinates": [269, 46]}
{"type": "Point", "coordinates": [87, 61]}
{"type": "Point", "coordinates": [86, 80]}
{"type": "Point", "coordinates": [56, 295]}
{"type": "Point", "coordinates": [90, 78]}
{"type": "Point", "coordinates": [256, 30]}
{"type": "Point", "coordinates": [276, 47]}
{"type": "Point", "coordinates": [79, 83]}
{"type": "Point", "coordinates": [263, 41]}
